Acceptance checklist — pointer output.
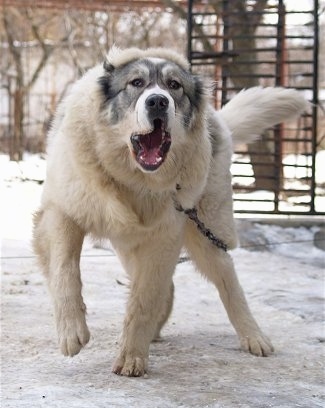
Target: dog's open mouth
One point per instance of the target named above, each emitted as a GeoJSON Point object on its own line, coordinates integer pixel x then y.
{"type": "Point", "coordinates": [151, 149]}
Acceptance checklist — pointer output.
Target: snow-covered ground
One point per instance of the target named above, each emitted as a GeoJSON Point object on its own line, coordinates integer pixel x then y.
{"type": "Point", "coordinates": [198, 363]}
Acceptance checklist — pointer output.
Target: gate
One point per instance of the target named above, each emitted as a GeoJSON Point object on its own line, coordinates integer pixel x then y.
{"type": "Point", "coordinates": [247, 43]}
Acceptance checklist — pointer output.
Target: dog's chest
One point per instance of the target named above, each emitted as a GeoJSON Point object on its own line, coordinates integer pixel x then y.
{"type": "Point", "coordinates": [120, 213]}
{"type": "Point", "coordinates": [149, 209]}
{"type": "Point", "coordinates": [149, 219]}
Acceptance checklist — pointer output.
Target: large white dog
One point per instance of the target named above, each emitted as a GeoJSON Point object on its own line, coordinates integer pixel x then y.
{"type": "Point", "coordinates": [134, 151]}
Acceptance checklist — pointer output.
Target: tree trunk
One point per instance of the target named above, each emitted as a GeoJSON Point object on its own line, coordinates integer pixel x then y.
{"type": "Point", "coordinates": [244, 75]}
{"type": "Point", "coordinates": [17, 140]}
{"type": "Point", "coordinates": [23, 84]}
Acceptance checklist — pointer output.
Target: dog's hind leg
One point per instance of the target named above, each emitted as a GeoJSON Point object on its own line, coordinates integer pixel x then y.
{"type": "Point", "coordinates": [58, 242]}
{"type": "Point", "coordinates": [218, 267]}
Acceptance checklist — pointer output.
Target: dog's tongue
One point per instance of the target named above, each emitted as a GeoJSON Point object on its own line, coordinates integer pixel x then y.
{"type": "Point", "coordinates": [151, 157]}
{"type": "Point", "coordinates": [150, 149]}
{"type": "Point", "coordinates": [151, 146]}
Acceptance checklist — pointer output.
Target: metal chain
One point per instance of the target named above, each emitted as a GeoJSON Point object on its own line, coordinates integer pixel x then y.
{"type": "Point", "coordinates": [192, 215]}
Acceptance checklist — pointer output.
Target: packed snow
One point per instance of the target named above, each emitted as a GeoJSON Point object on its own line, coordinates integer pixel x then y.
{"type": "Point", "coordinates": [198, 362]}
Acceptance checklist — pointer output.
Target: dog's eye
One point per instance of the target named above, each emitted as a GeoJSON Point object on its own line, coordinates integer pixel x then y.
{"type": "Point", "coordinates": [172, 84]}
{"type": "Point", "coordinates": [137, 82]}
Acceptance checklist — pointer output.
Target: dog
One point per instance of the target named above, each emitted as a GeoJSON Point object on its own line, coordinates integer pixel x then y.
{"type": "Point", "coordinates": [134, 148]}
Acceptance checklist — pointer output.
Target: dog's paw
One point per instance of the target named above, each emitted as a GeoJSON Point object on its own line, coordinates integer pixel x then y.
{"type": "Point", "coordinates": [130, 366]}
{"type": "Point", "coordinates": [257, 344]}
{"type": "Point", "coordinates": [73, 335]}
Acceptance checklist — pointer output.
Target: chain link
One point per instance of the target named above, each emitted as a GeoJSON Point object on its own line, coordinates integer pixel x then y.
{"type": "Point", "coordinates": [192, 215]}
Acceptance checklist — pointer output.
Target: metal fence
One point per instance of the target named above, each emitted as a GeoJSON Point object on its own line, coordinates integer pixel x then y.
{"type": "Point", "coordinates": [248, 43]}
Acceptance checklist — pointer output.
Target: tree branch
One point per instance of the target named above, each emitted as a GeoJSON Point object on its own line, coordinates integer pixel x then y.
{"type": "Point", "coordinates": [46, 49]}
{"type": "Point", "coordinates": [183, 14]}
{"type": "Point", "coordinates": [13, 49]}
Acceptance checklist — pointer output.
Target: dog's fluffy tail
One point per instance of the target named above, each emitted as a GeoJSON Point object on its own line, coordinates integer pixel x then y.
{"type": "Point", "coordinates": [253, 110]}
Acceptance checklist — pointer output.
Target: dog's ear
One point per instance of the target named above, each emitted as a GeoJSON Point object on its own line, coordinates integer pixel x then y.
{"type": "Point", "coordinates": [104, 81]}
{"type": "Point", "coordinates": [109, 68]}
{"type": "Point", "coordinates": [201, 91]}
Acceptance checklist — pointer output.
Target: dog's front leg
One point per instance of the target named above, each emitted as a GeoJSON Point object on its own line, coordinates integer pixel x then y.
{"type": "Point", "coordinates": [58, 242]}
{"type": "Point", "coordinates": [218, 267]}
{"type": "Point", "coordinates": [150, 268]}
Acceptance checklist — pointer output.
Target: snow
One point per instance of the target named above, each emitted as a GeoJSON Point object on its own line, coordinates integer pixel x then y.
{"type": "Point", "coordinates": [198, 363]}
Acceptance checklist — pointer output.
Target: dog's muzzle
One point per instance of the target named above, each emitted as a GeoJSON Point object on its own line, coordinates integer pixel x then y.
{"type": "Point", "coordinates": [151, 148]}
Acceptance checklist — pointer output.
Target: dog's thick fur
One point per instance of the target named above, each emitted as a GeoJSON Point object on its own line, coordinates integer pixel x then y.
{"type": "Point", "coordinates": [104, 179]}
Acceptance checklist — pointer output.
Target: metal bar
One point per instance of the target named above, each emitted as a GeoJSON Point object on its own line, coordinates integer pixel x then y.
{"type": "Point", "coordinates": [224, 74]}
{"type": "Point", "coordinates": [247, 62]}
{"type": "Point", "coordinates": [298, 166]}
{"type": "Point", "coordinates": [315, 103]}
{"type": "Point", "coordinates": [119, 5]}
{"type": "Point", "coordinates": [282, 212]}
{"type": "Point", "coordinates": [253, 188]}
{"type": "Point", "coordinates": [258, 37]}
{"type": "Point", "coordinates": [189, 29]}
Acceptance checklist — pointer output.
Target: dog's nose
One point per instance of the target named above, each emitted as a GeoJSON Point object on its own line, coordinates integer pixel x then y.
{"type": "Point", "coordinates": [157, 103]}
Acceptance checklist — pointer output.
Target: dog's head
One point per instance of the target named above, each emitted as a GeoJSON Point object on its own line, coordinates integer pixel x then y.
{"type": "Point", "coordinates": [153, 99]}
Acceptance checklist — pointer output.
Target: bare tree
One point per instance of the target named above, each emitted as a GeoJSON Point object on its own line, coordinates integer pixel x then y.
{"type": "Point", "coordinates": [20, 28]}
{"type": "Point", "coordinates": [22, 84]}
